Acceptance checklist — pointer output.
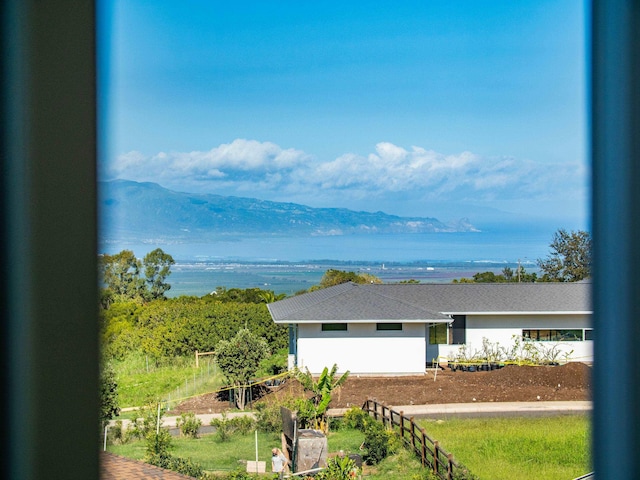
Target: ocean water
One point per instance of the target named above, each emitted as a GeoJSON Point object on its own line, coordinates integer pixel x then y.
{"type": "Point", "coordinates": [288, 265]}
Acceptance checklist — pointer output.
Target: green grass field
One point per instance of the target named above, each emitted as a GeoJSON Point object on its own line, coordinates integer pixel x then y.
{"type": "Point", "coordinates": [492, 448]}
{"type": "Point", "coordinates": [139, 382]}
{"type": "Point", "coordinates": [523, 448]}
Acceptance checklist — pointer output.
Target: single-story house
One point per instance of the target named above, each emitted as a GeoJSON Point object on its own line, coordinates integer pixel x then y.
{"type": "Point", "coordinates": [400, 328]}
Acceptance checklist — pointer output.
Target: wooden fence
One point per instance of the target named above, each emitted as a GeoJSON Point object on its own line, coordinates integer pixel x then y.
{"type": "Point", "coordinates": [429, 451]}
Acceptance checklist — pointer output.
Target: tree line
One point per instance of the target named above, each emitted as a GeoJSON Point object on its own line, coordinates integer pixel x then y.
{"type": "Point", "coordinates": [569, 260]}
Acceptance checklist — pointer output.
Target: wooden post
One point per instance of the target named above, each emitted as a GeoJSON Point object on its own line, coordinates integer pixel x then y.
{"type": "Point", "coordinates": [435, 457]}
{"type": "Point", "coordinates": [423, 452]}
{"type": "Point", "coordinates": [413, 435]}
{"type": "Point", "coordinates": [450, 467]}
{"type": "Point", "coordinates": [197, 359]}
{"type": "Point", "coordinates": [402, 425]}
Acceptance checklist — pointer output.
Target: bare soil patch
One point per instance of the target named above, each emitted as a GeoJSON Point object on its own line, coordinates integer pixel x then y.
{"type": "Point", "coordinates": [509, 384]}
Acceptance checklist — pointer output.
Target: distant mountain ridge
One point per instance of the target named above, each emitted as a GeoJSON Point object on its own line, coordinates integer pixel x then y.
{"type": "Point", "coordinates": [135, 211]}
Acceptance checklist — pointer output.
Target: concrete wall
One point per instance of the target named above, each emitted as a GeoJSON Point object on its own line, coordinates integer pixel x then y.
{"type": "Point", "coordinates": [363, 349]}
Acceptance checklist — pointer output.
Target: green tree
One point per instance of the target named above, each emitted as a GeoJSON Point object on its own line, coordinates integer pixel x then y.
{"type": "Point", "coordinates": [335, 277]}
{"type": "Point", "coordinates": [314, 412]}
{"type": "Point", "coordinates": [507, 276]}
{"type": "Point", "coordinates": [157, 267]}
{"type": "Point", "coordinates": [243, 295]}
{"type": "Point", "coordinates": [109, 407]}
{"type": "Point", "coordinates": [569, 259]}
{"type": "Point", "coordinates": [239, 360]}
{"type": "Point", "coordinates": [121, 275]}
{"type": "Point", "coordinates": [268, 296]}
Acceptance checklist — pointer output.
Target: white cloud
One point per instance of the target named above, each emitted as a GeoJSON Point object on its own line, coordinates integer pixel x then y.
{"type": "Point", "coordinates": [388, 174]}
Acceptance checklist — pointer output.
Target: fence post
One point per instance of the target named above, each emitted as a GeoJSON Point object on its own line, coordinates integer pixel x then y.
{"type": "Point", "coordinates": [435, 456]}
{"type": "Point", "coordinates": [424, 447]}
{"type": "Point", "coordinates": [402, 425]}
{"type": "Point", "coordinates": [196, 358]}
{"type": "Point", "coordinates": [413, 436]}
{"type": "Point", "coordinates": [450, 467]}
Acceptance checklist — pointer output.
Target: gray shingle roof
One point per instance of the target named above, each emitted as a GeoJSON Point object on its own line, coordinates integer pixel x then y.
{"type": "Point", "coordinates": [430, 302]}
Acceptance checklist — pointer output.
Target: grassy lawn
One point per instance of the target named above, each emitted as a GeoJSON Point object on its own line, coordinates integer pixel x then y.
{"type": "Point", "coordinates": [492, 448]}
{"type": "Point", "coordinates": [523, 448]}
{"type": "Point", "coordinates": [139, 383]}
{"type": "Point", "coordinates": [210, 453]}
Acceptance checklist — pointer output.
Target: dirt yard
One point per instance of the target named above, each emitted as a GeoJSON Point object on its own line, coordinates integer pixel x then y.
{"type": "Point", "coordinates": [509, 384]}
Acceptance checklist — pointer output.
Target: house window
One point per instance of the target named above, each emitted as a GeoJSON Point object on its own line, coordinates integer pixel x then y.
{"type": "Point", "coordinates": [438, 334]}
{"type": "Point", "coordinates": [588, 334]}
{"type": "Point", "coordinates": [553, 335]}
{"type": "Point", "coordinates": [334, 327]}
{"type": "Point", "coordinates": [388, 326]}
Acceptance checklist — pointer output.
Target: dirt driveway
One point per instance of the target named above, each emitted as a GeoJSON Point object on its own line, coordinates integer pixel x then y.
{"type": "Point", "coordinates": [509, 384]}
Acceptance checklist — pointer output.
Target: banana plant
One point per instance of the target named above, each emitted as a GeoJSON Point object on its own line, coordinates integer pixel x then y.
{"type": "Point", "coordinates": [315, 408]}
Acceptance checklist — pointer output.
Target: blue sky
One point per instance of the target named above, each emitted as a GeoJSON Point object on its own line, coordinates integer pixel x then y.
{"type": "Point", "coordinates": [417, 108]}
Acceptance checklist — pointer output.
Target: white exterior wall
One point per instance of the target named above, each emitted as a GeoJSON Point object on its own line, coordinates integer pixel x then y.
{"type": "Point", "coordinates": [362, 349]}
{"type": "Point", "coordinates": [502, 328]}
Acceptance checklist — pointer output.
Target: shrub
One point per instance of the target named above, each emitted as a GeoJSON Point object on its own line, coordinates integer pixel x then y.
{"type": "Point", "coordinates": [185, 466]}
{"type": "Point", "coordinates": [268, 415]}
{"type": "Point", "coordinates": [189, 425]}
{"type": "Point", "coordinates": [115, 433]}
{"type": "Point", "coordinates": [355, 418]}
{"type": "Point", "coordinates": [223, 427]}
{"type": "Point", "coordinates": [379, 442]}
{"type": "Point", "coordinates": [158, 443]}
{"type": "Point", "coordinates": [243, 424]}
{"type": "Point", "coordinates": [339, 469]}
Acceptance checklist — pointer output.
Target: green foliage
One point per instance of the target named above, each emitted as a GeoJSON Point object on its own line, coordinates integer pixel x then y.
{"type": "Point", "coordinates": [243, 295]}
{"type": "Point", "coordinates": [189, 424]}
{"type": "Point", "coordinates": [121, 276]}
{"type": "Point", "coordinates": [275, 364]}
{"type": "Point", "coordinates": [239, 359]}
{"type": "Point", "coordinates": [158, 443]}
{"type": "Point", "coordinates": [157, 267]}
{"type": "Point", "coordinates": [336, 277]}
{"type": "Point", "coordinates": [268, 415]}
{"type": "Point", "coordinates": [239, 474]}
{"type": "Point", "coordinates": [356, 418]}
{"type": "Point", "coordinates": [243, 424]}
{"type": "Point", "coordinates": [378, 441]}
{"type": "Point", "coordinates": [339, 469]}
{"type": "Point", "coordinates": [507, 276]}
{"type": "Point", "coordinates": [140, 380]}
{"type": "Point", "coordinates": [185, 466]}
{"type": "Point", "coordinates": [569, 259]}
{"type": "Point", "coordinates": [115, 433]}
{"type": "Point", "coordinates": [109, 406]}
{"type": "Point", "coordinates": [226, 427]}
{"type": "Point", "coordinates": [164, 329]}
{"type": "Point", "coordinates": [223, 427]}
{"type": "Point", "coordinates": [313, 412]}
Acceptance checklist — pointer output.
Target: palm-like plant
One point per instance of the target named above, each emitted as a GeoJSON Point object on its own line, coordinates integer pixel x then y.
{"type": "Point", "coordinates": [315, 408]}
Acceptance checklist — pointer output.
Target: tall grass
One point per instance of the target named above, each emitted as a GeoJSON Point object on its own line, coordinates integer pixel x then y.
{"type": "Point", "coordinates": [524, 447]}
{"type": "Point", "coordinates": [139, 381]}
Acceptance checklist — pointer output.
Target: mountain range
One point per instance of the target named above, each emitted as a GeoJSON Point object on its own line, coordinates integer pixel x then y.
{"type": "Point", "coordinates": [134, 211]}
